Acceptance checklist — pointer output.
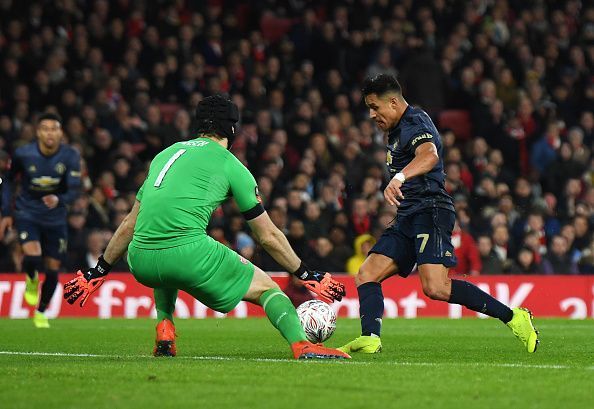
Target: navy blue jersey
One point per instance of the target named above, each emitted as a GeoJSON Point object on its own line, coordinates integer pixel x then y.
{"type": "Point", "coordinates": [424, 191]}
{"type": "Point", "coordinates": [42, 175]}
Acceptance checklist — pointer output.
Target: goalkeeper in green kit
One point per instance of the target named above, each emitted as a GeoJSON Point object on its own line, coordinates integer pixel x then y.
{"type": "Point", "coordinates": [169, 250]}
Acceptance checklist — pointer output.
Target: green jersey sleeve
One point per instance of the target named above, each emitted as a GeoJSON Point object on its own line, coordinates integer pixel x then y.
{"type": "Point", "coordinates": [244, 189]}
{"type": "Point", "coordinates": [140, 191]}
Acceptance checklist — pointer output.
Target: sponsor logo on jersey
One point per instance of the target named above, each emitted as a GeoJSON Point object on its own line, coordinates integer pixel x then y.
{"type": "Point", "coordinates": [448, 254]}
{"type": "Point", "coordinates": [23, 235]}
{"type": "Point", "coordinates": [422, 136]}
{"type": "Point", "coordinates": [197, 144]}
{"type": "Point", "coordinates": [32, 169]}
{"type": "Point", "coordinates": [258, 197]}
{"type": "Point", "coordinates": [60, 168]}
{"type": "Point", "coordinates": [45, 181]}
{"type": "Point", "coordinates": [243, 259]}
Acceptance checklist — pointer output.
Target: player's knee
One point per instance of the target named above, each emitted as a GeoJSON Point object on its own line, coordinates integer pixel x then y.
{"type": "Point", "coordinates": [436, 291]}
{"type": "Point", "coordinates": [269, 285]}
{"type": "Point", "coordinates": [366, 275]}
{"type": "Point", "coordinates": [261, 282]}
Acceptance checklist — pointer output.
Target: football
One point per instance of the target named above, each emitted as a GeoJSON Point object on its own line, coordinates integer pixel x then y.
{"type": "Point", "coordinates": [317, 319]}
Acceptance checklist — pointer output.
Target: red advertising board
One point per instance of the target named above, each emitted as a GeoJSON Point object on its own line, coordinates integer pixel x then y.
{"type": "Point", "coordinates": [122, 296]}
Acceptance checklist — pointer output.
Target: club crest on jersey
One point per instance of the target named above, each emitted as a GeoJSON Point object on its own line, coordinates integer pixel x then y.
{"type": "Point", "coordinates": [60, 168]}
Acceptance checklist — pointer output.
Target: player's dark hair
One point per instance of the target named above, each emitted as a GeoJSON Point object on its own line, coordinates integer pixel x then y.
{"type": "Point", "coordinates": [217, 115]}
{"type": "Point", "coordinates": [381, 84]}
{"type": "Point", "coordinates": [49, 116]}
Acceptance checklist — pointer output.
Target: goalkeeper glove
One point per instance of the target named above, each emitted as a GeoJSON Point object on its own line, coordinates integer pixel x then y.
{"type": "Point", "coordinates": [85, 284]}
{"type": "Point", "coordinates": [321, 283]}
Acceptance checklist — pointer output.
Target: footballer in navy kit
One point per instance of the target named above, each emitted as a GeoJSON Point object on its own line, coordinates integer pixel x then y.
{"type": "Point", "coordinates": [425, 219]}
{"type": "Point", "coordinates": [47, 173]}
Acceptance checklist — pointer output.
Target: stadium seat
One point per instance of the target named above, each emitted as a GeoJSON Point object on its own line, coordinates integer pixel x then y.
{"type": "Point", "coordinates": [458, 120]}
{"type": "Point", "coordinates": [168, 111]}
{"type": "Point", "coordinates": [274, 28]}
{"type": "Point", "coordinates": [138, 147]}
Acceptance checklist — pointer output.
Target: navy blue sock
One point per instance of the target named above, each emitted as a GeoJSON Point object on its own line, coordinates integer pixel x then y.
{"type": "Point", "coordinates": [32, 264]}
{"type": "Point", "coordinates": [475, 299]}
{"type": "Point", "coordinates": [47, 289]}
{"type": "Point", "coordinates": [371, 308]}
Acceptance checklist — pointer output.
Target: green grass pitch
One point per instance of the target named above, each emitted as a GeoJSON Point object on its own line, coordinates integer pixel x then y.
{"type": "Point", "coordinates": [232, 363]}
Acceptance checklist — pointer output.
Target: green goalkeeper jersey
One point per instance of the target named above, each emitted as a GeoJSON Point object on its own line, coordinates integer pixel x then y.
{"type": "Point", "coordinates": [185, 184]}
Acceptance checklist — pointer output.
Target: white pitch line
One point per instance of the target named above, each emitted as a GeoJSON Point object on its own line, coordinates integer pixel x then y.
{"type": "Point", "coordinates": [345, 362]}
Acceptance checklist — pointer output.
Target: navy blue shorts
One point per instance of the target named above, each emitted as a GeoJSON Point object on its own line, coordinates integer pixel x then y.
{"type": "Point", "coordinates": [53, 238]}
{"type": "Point", "coordinates": [420, 238]}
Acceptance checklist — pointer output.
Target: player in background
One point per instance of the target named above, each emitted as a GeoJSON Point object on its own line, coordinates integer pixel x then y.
{"type": "Point", "coordinates": [47, 172]}
{"type": "Point", "coordinates": [169, 250]}
{"type": "Point", "coordinates": [425, 218]}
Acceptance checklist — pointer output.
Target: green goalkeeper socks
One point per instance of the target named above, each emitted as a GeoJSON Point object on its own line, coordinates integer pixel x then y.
{"type": "Point", "coordinates": [165, 303]}
{"type": "Point", "coordinates": [282, 315]}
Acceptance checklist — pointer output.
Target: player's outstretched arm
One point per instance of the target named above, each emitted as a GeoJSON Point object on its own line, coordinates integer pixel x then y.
{"type": "Point", "coordinates": [426, 157]}
{"type": "Point", "coordinates": [122, 237]}
{"type": "Point", "coordinates": [84, 284]}
{"type": "Point", "coordinates": [276, 244]}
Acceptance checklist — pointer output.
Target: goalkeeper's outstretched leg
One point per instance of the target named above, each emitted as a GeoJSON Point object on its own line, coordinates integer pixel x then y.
{"type": "Point", "coordinates": [281, 313]}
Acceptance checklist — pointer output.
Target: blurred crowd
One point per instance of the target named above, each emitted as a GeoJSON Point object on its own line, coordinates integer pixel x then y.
{"type": "Point", "coordinates": [125, 75]}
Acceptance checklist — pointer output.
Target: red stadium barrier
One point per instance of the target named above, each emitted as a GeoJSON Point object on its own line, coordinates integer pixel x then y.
{"type": "Point", "coordinates": [122, 296]}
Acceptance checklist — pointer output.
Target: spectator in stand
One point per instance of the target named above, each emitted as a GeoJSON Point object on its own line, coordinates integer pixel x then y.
{"type": "Point", "coordinates": [466, 251]}
{"type": "Point", "coordinates": [245, 245]}
{"type": "Point", "coordinates": [315, 225]}
{"type": "Point", "coordinates": [324, 257]}
{"type": "Point", "coordinates": [570, 198]}
{"type": "Point", "coordinates": [506, 206]}
{"type": "Point", "coordinates": [532, 241]}
{"type": "Point", "coordinates": [558, 260]}
{"type": "Point", "coordinates": [586, 261]}
{"type": "Point", "coordinates": [362, 245]}
{"type": "Point", "coordinates": [490, 262]}
{"type": "Point", "coordinates": [502, 246]}
{"type": "Point", "coordinates": [453, 183]}
{"type": "Point", "coordinates": [525, 263]}
{"type": "Point", "coordinates": [534, 225]}
{"type": "Point", "coordinates": [342, 250]}
{"type": "Point", "coordinates": [95, 245]}
{"type": "Point", "coordinates": [523, 196]}
{"type": "Point", "coordinates": [583, 234]}
{"type": "Point", "coordinates": [298, 240]}
{"type": "Point", "coordinates": [580, 152]}
{"type": "Point", "coordinates": [127, 79]}
{"type": "Point", "coordinates": [544, 151]}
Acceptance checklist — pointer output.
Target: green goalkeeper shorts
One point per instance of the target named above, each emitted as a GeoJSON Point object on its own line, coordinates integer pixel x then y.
{"type": "Point", "coordinates": [212, 273]}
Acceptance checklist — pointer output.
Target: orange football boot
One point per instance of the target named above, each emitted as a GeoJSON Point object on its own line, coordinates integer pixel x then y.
{"type": "Point", "coordinates": [165, 343]}
{"type": "Point", "coordinates": [307, 350]}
